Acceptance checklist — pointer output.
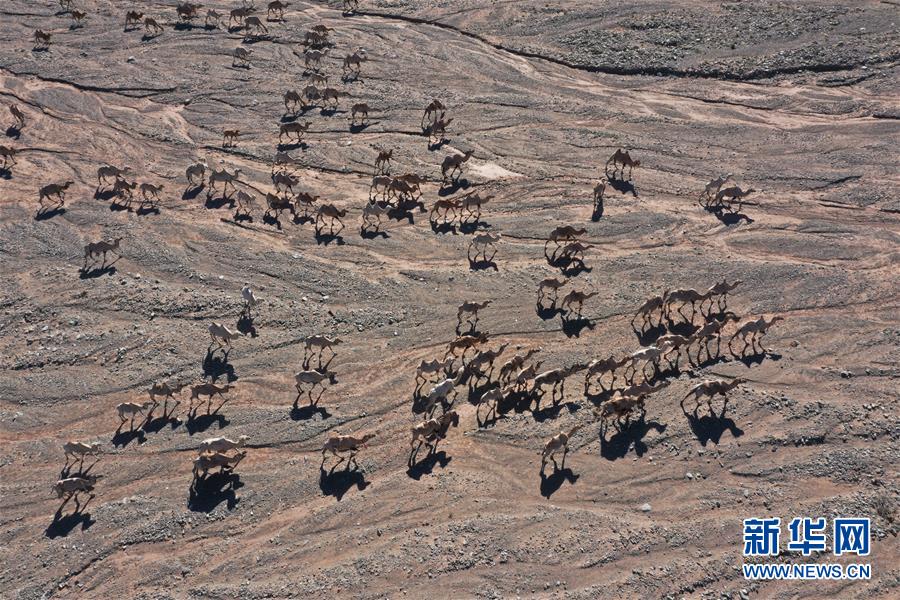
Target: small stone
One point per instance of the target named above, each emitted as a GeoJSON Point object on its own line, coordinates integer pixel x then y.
{"type": "Point", "coordinates": [646, 507]}
{"type": "Point", "coordinates": [131, 59]}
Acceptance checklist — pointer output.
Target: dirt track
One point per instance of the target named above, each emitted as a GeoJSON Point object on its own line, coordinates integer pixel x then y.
{"type": "Point", "coordinates": [814, 431]}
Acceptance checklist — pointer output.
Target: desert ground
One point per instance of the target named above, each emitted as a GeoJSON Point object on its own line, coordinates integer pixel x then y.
{"type": "Point", "coordinates": [798, 100]}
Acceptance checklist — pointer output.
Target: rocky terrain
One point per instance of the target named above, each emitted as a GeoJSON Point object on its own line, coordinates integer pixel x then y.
{"type": "Point", "coordinates": [797, 99]}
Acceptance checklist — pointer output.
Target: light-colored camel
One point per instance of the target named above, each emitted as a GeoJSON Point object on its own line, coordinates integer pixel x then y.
{"type": "Point", "coordinates": [362, 110]}
{"type": "Point", "coordinates": [204, 463]}
{"type": "Point", "coordinates": [133, 19]}
{"type": "Point", "coordinates": [621, 157]}
{"type": "Point", "coordinates": [754, 330]}
{"type": "Point", "coordinates": [453, 163]}
{"type": "Point", "coordinates": [18, 115]}
{"type": "Point", "coordinates": [520, 381]}
{"type": "Point", "coordinates": [646, 310]}
{"type": "Point", "coordinates": [551, 283]}
{"type": "Point", "coordinates": [471, 204]}
{"type": "Point", "coordinates": [318, 343]}
{"type": "Point", "coordinates": [41, 39]}
{"type": "Point", "coordinates": [166, 390]}
{"type": "Point", "coordinates": [515, 364]}
{"type": "Point", "coordinates": [196, 171]}
{"type": "Point", "coordinates": [283, 161]}
{"type": "Point", "coordinates": [293, 129]}
{"type": "Point", "coordinates": [107, 171]}
{"type": "Point", "coordinates": [431, 367]}
{"type": "Point", "coordinates": [650, 356]}
{"type": "Point", "coordinates": [223, 177]}
{"type": "Point", "coordinates": [76, 451]}
{"type": "Point", "coordinates": [480, 243]}
{"type": "Point", "coordinates": [491, 399]}
{"type": "Point", "coordinates": [599, 190]}
{"type": "Point", "coordinates": [338, 444]}
{"type": "Point", "coordinates": [148, 189]}
{"type": "Point", "coordinates": [222, 335]}
{"type": "Point", "coordinates": [221, 445]}
{"type": "Point", "coordinates": [332, 213]}
{"type": "Point", "coordinates": [564, 233]}
{"type": "Point", "coordinates": [680, 298]}
{"type": "Point", "coordinates": [102, 247]}
{"type": "Point", "coordinates": [709, 388]}
{"type": "Point", "coordinates": [719, 291]}
{"type": "Point", "coordinates": [484, 361]}
{"type": "Point", "coordinates": [556, 378]}
{"type": "Point", "coordinates": [372, 214]}
{"type": "Point", "coordinates": [249, 298]}
{"type": "Point", "coordinates": [152, 26]}
{"type": "Point", "coordinates": [730, 195]}
{"type": "Point", "coordinates": [129, 410]}
{"type": "Point", "coordinates": [54, 189]}
{"type": "Point", "coordinates": [470, 309]}
{"type": "Point", "coordinates": [381, 184]}
{"type": "Point", "coordinates": [276, 8]}
{"type": "Point", "coordinates": [209, 390]}
{"type": "Point", "coordinates": [240, 57]}
{"type": "Point", "coordinates": [245, 202]}
{"type": "Point", "coordinates": [313, 379]}
{"type": "Point", "coordinates": [558, 442]}
{"type": "Point", "coordinates": [353, 62]}
{"type": "Point", "coordinates": [441, 392]}
{"type": "Point", "coordinates": [383, 161]}
{"type": "Point", "coordinates": [596, 369]}
{"type": "Point", "coordinates": [72, 486]}
{"type": "Point", "coordinates": [630, 399]}
{"type": "Point", "coordinates": [433, 430]}
{"type": "Point", "coordinates": [709, 332]}
{"type": "Point", "coordinates": [312, 59]}
{"type": "Point", "coordinates": [574, 251]}
{"type": "Point", "coordinates": [712, 188]}
{"type": "Point", "coordinates": [576, 298]}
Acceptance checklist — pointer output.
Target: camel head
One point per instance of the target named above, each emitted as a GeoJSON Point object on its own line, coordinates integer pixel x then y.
{"type": "Point", "coordinates": [366, 438]}
{"type": "Point", "coordinates": [737, 381]}
{"type": "Point", "coordinates": [242, 440]}
{"type": "Point", "coordinates": [575, 428]}
{"type": "Point", "coordinates": [774, 320]}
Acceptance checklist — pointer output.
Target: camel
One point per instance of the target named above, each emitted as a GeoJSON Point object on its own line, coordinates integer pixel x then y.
{"type": "Point", "coordinates": [102, 247]}
{"type": "Point", "coordinates": [284, 181]}
{"type": "Point", "coordinates": [282, 161]}
{"type": "Point", "coordinates": [244, 203]}
{"type": "Point", "coordinates": [441, 392]}
{"type": "Point", "coordinates": [646, 310]}
{"type": "Point", "coordinates": [564, 233]}
{"type": "Point", "coordinates": [753, 330]}
{"type": "Point", "coordinates": [430, 367]}
{"type": "Point", "coordinates": [444, 207]}
{"type": "Point", "coordinates": [621, 157]}
{"type": "Point", "coordinates": [218, 331]}
{"type": "Point", "coordinates": [148, 189]}
{"type": "Point", "coordinates": [650, 356]}
{"type": "Point", "coordinates": [434, 108]}
{"type": "Point", "coordinates": [491, 399]}
{"type": "Point", "coordinates": [483, 241]}
{"type": "Point", "coordinates": [630, 399]}
{"type": "Point", "coordinates": [551, 283]}
{"type": "Point", "coordinates": [76, 450]}
{"type": "Point", "coordinates": [576, 298]}
{"type": "Point", "coordinates": [130, 410]}
{"type": "Point", "coordinates": [414, 182]}
{"type": "Point", "coordinates": [205, 462]}
{"type": "Point", "coordinates": [556, 378]}
{"type": "Point", "coordinates": [381, 185]}
{"type": "Point", "coordinates": [72, 486]}
{"type": "Point", "coordinates": [402, 190]}
{"type": "Point", "coordinates": [520, 382]}
{"type": "Point", "coordinates": [124, 190]}
{"type": "Point", "coordinates": [318, 79]}
{"type": "Point", "coordinates": [66, 5]}
{"type": "Point", "coordinates": [515, 364]}
{"type": "Point", "coordinates": [720, 291]}
{"type": "Point", "coordinates": [372, 215]}
{"type": "Point", "coordinates": [238, 15]}
{"type": "Point", "coordinates": [331, 97]}
{"type": "Point", "coordinates": [213, 19]}
{"type": "Point", "coordinates": [321, 343]}
{"type": "Point", "coordinates": [332, 213]}
{"type": "Point", "coordinates": [229, 138]}
{"type": "Point", "coordinates": [337, 444]}
{"type": "Point", "coordinates": [167, 390]}
{"type": "Point", "coordinates": [41, 40]}
{"type": "Point", "coordinates": [276, 204]}
{"type": "Point", "coordinates": [276, 7]}
{"type": "Point", "coordinates": [18, 115]}
{"type": "Point", "coordinates": [483, 359]}
{"type": "Point", "coordinates": [383, 161]}
{"type": "Point", "coordinates": [295, 129]}
{"type": "Point", "coordinates": [362, 109]}
{"type": "Point", "coordinates": [453, 163]}
{"type": "Point", "coordinates": [471, 204]}
{"type": "Point", "coordinates": [350, 6]}
{"type": "Point", "coordinates": [310, 96]}
{"type": "Point", "coordinates": [241, 57]}
{"type": "Point", "coordinates": [353, 62]}
{"type": "Point", "coordinates": [596, 369]}
{"type": "Point", "coordinates": [312, 59]}
{"type": "Point", "coordinates": [573, 251]}
{"type": "Point", "coordinates": [187, 11]}
{"type": "Point", "coordinates": [437, 131]}
{"type": "Point", "coordinates": [256, 25]}
{"type": "Point", "coordinates": [709, 332]}
{"type": "Point", "coordinates": [682, 297]}
{"type": "Point", "coordinates": [9, 156]}
{"type": "Point", "coordinates": [558, 442]}
{"type": "Point", "coordinates": [313, 379]}
{"type": "Point", "coordinates": [54, 189]}
{"type": "Point", "coordinates": [470, 310]}
{"type": "Point", "coordinates": [730, 195]}
{"type": "Point", "coordinates": [465, 342]}
{"type": "Point", "coordinates": [250, 300]}
{"type": "Point", "coordinates": [709, 388]}
{"type": "Point", "coordinates": [194, 172]}
{"type": "Point", "coordinates": [599, 190]}
{"type": "Point", "coordinates": [223, 177]}
{"type": "Point", "coordinates": [314, 39]}
{"type": "Point", "coordinates": [107, 171]}
{"type": "Point", "coordinates": [78, 17]}
{"type": "Point", "coordinates": [152, 25]}
{"type": "Point", "coordinates": [712, 188]}
{"type": "Point", "coordinates": [673, 342]}
{"type": "Point", "coordinates": [432, 431]}
{"type": "Point", "coordinates": [220, 445]}
{"type": "Point", "coordinates": [133, 19]}
{"type": "Point", "coordinates": [307, 201]}
{"type": "Point", "coordinates": [209, 390]}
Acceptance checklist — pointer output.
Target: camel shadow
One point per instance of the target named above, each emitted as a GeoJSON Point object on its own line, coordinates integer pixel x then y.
{"type": "Point", "coordinates": [216, 203]}
{"type": "Point", "coordinates": [648, 336]}
{"type": "Point", "coordinates": [454, 186]}
{"type": "Point", "coordinates": [552, 411]}
{"type": "Point", "coordinates": [432, 146]}
{"type": "Point", "coordinates": [215, 366]}
{"type": "Point", "coordinates": [5, 173]}
{"type": "Point", "coordinates": [13, 132]}
{"type": "Point", "coordinates": [206, 493]}
{"type": "Point", "coordinates": [359, 128]}
{"type": "Point", "coordinates": [245, 325]}
{"type": "Point", "coordinates": [597, 214]}
{"type": "Point", "coordinates": [148, 37]}
{"type": "Point", "coordinates": [371, 234]}
{"type": "Point", "coordinates": [47, 214]}
{"type": "Point", "coordinates": [147, 210]}
{"type": "Point", "coordinates": [338, 483]}
{"type": "Point", "coordinates": [426, 465]}
{"type": "Point", "coordinates": [270, 220]}
{"type": "Point", "coordinates": [324, 239]}
{"type": "Point", "coordinates": [121, 439]}
{"type": "Point", "coordinates": [623, 439]}
{"type": "Point", "coordinates": [156, 425]}
{"type": "Point", "coordinates": [728, 217]}
{"type": "Point", "coordinates": [623, 186]}
{"type": "Point", "coordinates": [573, 327]}
{"type": "Point", "coordinates": [469, 227]}
{"type": "Point", "coordinates": [443, 228]}
{"type": "Point", "coordinates": [242, 218]}
{"type": "Point", "coordinates": [192, 192]}
{"type": "Point", "coordinates": [307, 412]}
{"type": "Point", "coordinates": [186, 26]}
{"type": "Point", "coordinates": [482, 265]}
{"type": "Point", "coordinates": [96, 272]}
{"type": "Point", "coordinates": [61, 526]}
{"type": "Point", "coordinates": [545, 313]}
{"type": "Point", "coordinates": [550, 485]}
{"type": "Point", "coordinates": [682, 328]}
{"type": "Point", "coordinates": [199, 424]}
{"type": "Point", "coordinates": [292, 146]}
{"type": "Point", "coordinates": [756, 358]}
{"type": "Point", "coordinates": [711, 427]}
{"type": "Point", "coordinates": [104, 194]}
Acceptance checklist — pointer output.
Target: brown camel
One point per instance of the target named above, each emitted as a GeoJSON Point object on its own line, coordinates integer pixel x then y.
{"type": "Point", "coordinates": [621, 157]}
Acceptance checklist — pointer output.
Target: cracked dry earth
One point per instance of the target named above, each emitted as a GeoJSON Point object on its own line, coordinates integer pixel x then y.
{"type": "Point", "coordinates": [814, 432]}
